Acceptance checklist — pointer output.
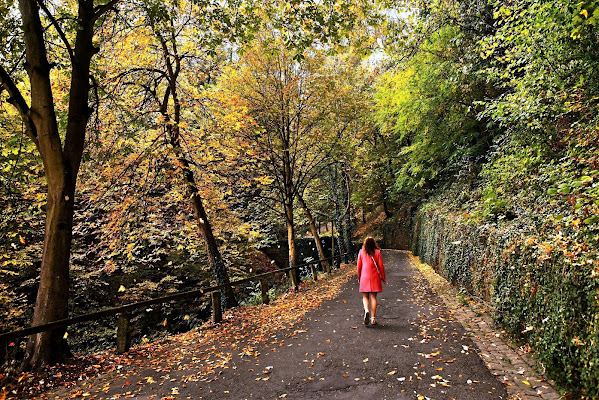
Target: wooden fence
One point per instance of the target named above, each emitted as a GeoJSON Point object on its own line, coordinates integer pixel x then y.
{"type": "Point", "coordinates": [123, 340]}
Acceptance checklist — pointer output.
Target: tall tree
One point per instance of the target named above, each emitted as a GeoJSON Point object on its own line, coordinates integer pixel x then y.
{"type": "Point", "coordinates": [61, 150]}
{"type": "Point", "coordinates": [58, 39]}
{"type": "Point", "coordinates": [313, 229]}
{"type": "Point", "coordinates": [168, 29]}
{"type": "Point", "coordinates": [297, 105]}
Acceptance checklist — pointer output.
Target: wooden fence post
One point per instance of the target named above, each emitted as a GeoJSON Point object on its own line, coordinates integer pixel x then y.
{"type": "Point", "coordinates": [314, 272]}
{"type": "Point", "coordinates": [264, 291]}
{"type": "Point", "coordinates": [217, 313]}
{"type": "Point", "coordinates": [123, 332]}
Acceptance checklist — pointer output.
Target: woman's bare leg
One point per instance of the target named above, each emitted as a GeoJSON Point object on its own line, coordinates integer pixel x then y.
{"type": "Point", "coordinates": [365, 301]}
{"type": "Point", "coordinates": [372, 305]}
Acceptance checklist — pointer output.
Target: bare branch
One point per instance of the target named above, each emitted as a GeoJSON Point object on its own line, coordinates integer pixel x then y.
{"type": "Point", "coordinates": [58, 29]}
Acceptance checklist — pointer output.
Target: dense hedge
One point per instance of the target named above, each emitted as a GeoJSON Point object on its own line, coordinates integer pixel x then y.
{"type": "Point", "coordinates": [542, 293]}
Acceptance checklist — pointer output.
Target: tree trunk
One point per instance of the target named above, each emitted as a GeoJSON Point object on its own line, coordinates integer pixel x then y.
{"type": "Point", "coordinates": [341, 236]}
{"type": "Point", "coordinates": [288, 194]}
{"type": "Point", "coordinates": [173, 65]}
{"type": "Point", "coordinates": [61, 165]}
{"type": "Point", "coordinates": [291, 238]}
{"type": "Point", "coordinates": [215, 259]}
{"type": "Point", "coordinates": [333, 242]}
{"type": "Point", "coordinates": [314, 230]}
{"type": "Point", "coordinates": [348, 233]}
{"type": "Point", "coordinates": [50, 347]}
{"type": "Point", "coordinates": [346, 217]}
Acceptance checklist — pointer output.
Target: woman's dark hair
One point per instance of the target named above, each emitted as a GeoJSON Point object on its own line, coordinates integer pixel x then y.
{"type": "Point", "coordinates": [369, 246]}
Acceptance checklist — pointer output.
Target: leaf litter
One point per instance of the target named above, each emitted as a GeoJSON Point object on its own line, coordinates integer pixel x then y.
{"type": "Point", "coordinates": [200, 352]}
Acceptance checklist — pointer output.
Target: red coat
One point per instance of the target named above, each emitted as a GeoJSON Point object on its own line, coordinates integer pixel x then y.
{"type": "Point", "coordinates": [369, 278]}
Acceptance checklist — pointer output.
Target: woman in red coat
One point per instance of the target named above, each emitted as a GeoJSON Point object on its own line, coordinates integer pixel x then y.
{"type": "Point", "coordinates": [371, 272]}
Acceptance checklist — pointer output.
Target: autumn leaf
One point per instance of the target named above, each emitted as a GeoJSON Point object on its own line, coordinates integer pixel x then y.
{"type": "Point", "coordinates": [431, 355]}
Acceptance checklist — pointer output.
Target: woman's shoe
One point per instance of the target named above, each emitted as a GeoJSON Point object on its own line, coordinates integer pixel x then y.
{"type": "Point", "coordinates": [366, 317]}
{"type": "Point", "coordinates": [372, 321]}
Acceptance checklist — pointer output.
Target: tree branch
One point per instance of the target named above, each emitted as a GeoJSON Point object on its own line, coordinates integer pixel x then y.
{"type": "Point", "coordinates": [58, 29]}
{"type": "Point", "coordinates": [17, 100]}
{"type": "Point", "coordinates": [100, 10]}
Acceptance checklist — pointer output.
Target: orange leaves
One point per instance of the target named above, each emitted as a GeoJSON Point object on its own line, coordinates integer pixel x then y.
{"type": "Point", "coordinates": [202, 353]}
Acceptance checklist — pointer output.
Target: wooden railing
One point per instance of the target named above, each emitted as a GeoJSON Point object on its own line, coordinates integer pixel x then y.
{"type": "Point", "coordinates": [124, 321]}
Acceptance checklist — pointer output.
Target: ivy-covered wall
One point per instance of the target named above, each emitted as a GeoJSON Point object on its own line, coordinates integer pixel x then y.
{"type": "Point", "coordinates": [541, 293]}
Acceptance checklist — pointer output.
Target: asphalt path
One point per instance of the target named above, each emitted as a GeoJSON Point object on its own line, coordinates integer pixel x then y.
{"type": "Point", "coordinates": [417, 351]}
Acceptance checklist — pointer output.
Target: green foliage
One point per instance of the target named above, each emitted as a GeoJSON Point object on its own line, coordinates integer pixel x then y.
{"type": "Point", "coordinates": [10, 44]}
{"type": "Point", "coordinates": [428, 105]}
{"type": "Point", "coordinates": [522, 229]}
